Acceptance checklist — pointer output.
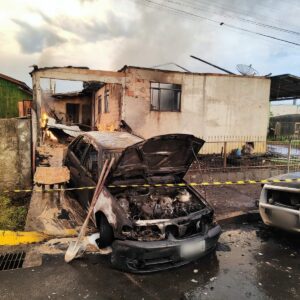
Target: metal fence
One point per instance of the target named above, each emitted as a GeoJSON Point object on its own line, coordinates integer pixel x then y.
{"type": "Point", "coordinates": [234, 154]}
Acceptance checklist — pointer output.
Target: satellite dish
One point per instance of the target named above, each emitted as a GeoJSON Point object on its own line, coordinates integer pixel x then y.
{"type": "Point", "coordinates": [246, 70]}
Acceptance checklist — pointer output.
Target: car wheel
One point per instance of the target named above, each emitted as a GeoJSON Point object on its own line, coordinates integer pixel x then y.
{"type": "Point", "coordinates": [105, 230]}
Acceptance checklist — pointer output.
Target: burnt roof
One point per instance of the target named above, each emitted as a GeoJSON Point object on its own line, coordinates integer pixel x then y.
{"type": "Point", "coordinates": [36, 68]}
{"type": "Point", "coordinates": [285, 87]}
{"type": "Point", "coordinates": [124, 68]}
{"type": "Point", "coordinates": [23, 86]}
{"type": "Point", "coordinates": [68, 95]}
{"type": "Point", "coordinates": [113, 140]}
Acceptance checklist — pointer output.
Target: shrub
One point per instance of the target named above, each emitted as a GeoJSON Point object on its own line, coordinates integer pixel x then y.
{"type": "Point", "coordinates": [12, 217]}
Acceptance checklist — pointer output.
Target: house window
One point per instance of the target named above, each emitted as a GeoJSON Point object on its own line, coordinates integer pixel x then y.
{"type": "Point", "coordinates": [165, 96]}
{"type": "Point", "coordinates": [106, 101]}
{"type": "Point", "coordinates": [99, 104]}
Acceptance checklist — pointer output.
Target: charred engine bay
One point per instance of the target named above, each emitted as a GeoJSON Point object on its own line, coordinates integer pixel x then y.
{"type": "Point", "coordinates": [152, 203]}
{"type": "Point", "coordinates": [158, 203]}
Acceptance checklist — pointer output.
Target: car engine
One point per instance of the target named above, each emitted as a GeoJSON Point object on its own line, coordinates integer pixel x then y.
{"type": "Point", "coordinates": [158, 203]}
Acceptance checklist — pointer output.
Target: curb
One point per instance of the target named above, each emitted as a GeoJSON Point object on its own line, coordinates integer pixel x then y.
{"type": "Point", "coordinates": [13, 238]}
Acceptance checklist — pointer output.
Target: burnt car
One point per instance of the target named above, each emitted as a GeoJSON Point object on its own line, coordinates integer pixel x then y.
{"type": "Point", "coordinates": [147, 213]}
{"type": "Point", "coordinates": [279, 203]}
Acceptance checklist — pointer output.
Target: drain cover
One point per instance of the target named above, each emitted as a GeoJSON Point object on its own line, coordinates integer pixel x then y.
{"type": "Point", "coordinates": [10, 261]}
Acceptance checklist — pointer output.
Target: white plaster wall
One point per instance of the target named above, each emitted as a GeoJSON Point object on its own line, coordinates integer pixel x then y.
{"type": "Point", "coordinates": [211, 105]}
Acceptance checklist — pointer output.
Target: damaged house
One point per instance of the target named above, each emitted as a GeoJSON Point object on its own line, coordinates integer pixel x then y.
{"type": "Point", "coordinates": [15, 133]}
{"type": "Point", "coordinates": [71, 108]}
{"type": "Point", "coordinates": [15, 97]}
{"type": "Point", "coordinates": [150, 102]}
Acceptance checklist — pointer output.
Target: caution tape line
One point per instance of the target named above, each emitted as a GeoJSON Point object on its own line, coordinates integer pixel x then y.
{"type": "Point", "coordinates": [214, 183]}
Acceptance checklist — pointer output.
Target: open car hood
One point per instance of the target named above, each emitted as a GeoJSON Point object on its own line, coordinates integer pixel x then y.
{"type": "Point", "coordinates": [164, 158]}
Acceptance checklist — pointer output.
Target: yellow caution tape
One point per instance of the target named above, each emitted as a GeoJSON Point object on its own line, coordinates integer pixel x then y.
{"type": "Point", "coordinates": [182, 184]}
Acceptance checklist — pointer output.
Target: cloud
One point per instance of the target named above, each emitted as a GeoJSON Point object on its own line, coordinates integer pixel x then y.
{"type": "Point", "coordinates": [35, 39]}
{"type": "Point", "coordinates": [92, 29]}
{"type": "Point", "coordinates": [107, 34]}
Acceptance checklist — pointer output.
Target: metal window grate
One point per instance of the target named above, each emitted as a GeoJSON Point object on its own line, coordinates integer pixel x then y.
{"type": "Point", "coordinates": [10, 261]}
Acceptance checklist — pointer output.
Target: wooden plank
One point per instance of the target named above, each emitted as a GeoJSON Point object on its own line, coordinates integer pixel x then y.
{"type": "Point", "coordinates": [51, 175]}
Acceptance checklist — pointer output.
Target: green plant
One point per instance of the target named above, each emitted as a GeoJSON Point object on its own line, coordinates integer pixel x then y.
{"type": "Point", "coordinates": [12, 217]}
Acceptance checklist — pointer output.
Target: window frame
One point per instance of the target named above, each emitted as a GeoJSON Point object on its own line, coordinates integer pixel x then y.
{"type": "Point", "coordinates": [296, 127]}
{"type": "Point", "coordinates": [76, 144]}
{"type": "Point", "coordinates": [84, 162]}
{"type": "Point", "coordinates": [99, 104]}
{"type": "Point", "coordinates": [106, 101]}
{"type": "Point", "coordinates": [159, 88]}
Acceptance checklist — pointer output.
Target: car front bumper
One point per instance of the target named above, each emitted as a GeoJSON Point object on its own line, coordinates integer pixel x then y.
{"type": "Point", "coordinates": [277, 215]}
{"type": "Point", "coordinates": [281, 217]}
{"type": "Point", "coordinates": [146, 257]}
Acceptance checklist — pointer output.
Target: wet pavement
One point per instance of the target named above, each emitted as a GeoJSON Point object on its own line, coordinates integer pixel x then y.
{"type": "Point", "coordinates": [251, 262]}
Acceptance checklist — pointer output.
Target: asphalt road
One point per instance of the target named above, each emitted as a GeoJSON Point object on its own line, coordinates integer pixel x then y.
{"type": "Point", "coordinates": [251, 262]}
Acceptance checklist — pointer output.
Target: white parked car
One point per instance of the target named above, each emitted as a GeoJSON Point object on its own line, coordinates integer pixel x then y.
{"type": "Point", "coordinates": [279, 203]}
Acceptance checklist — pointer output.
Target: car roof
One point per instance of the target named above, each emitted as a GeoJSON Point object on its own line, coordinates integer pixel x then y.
{"type": "Point", "coordinates": [112, 140]}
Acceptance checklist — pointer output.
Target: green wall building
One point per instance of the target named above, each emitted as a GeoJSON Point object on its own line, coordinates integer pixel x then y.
{"type": "Point", "coordinates": [11, 92]}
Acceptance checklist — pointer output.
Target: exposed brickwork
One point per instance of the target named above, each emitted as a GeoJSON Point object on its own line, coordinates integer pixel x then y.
{"type": "Point", "coordinates": [108, 121]}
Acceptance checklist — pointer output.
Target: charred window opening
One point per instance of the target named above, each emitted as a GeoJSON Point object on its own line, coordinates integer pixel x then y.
{"type": "Point", "coordinates": [99, 105]}
{"type": "Point", "coordinates": [91, 162]}
{"type": "Point", "coordinates": [111, 154]}
{"type": "Point", "coordinates": [80, 148]}
{"type": "Point", "coordinates": [165, 96]}
{"type": "Point", "coordinates": [106, 101]}
{"type": "Point", "coordinates": [72, 112]}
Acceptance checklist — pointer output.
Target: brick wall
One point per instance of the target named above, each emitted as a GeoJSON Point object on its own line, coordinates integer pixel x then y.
{"type": "Point", "coordinates": [108, 121]}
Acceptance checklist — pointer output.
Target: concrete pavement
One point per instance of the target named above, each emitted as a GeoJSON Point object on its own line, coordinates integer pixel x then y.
{"type": "Point", "coordinates": [251, 262]}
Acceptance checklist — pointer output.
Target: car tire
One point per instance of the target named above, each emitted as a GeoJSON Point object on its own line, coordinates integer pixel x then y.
{"type": "Point", "coordinates": [105, 230]}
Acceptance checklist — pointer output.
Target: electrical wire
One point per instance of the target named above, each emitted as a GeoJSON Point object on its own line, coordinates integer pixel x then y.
{"type": "Point", "coordinates": [237, 9]}
{"type": "Point", "coordinates": [218, 22]}
{"type": "Point", "coordinates": [257, 23]}
{"type": "Point", "coordinates": [261, 34]}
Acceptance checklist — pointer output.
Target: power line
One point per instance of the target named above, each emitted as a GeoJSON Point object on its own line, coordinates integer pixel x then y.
{"type": "Point", "coordinates": [220, 23]}
{"type": "Point", "coordinates": [239, 10]}
{"type": "Point", "coordinates": [258, 33]}
{"type": "Point", "coordinates": [239, 18]}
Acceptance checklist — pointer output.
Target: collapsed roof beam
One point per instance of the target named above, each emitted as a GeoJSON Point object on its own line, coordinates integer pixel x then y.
{"type": "Point", "coordinates": [208, 63]}
{"type": "Point", "coordinates": [78, 74]}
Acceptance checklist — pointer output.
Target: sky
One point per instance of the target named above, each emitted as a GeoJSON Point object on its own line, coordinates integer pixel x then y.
{"type": "Point", "coordinates": [107, 34]}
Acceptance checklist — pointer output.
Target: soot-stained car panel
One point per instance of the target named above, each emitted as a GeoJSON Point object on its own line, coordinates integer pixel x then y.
{"type": "Point", "coordinates": [152, 219]}
{"type": "Point", "coordinates": [279, 203]}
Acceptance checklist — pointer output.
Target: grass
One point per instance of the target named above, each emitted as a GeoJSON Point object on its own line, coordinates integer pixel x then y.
{"type": "Point", "coordinates": [12, 215]}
